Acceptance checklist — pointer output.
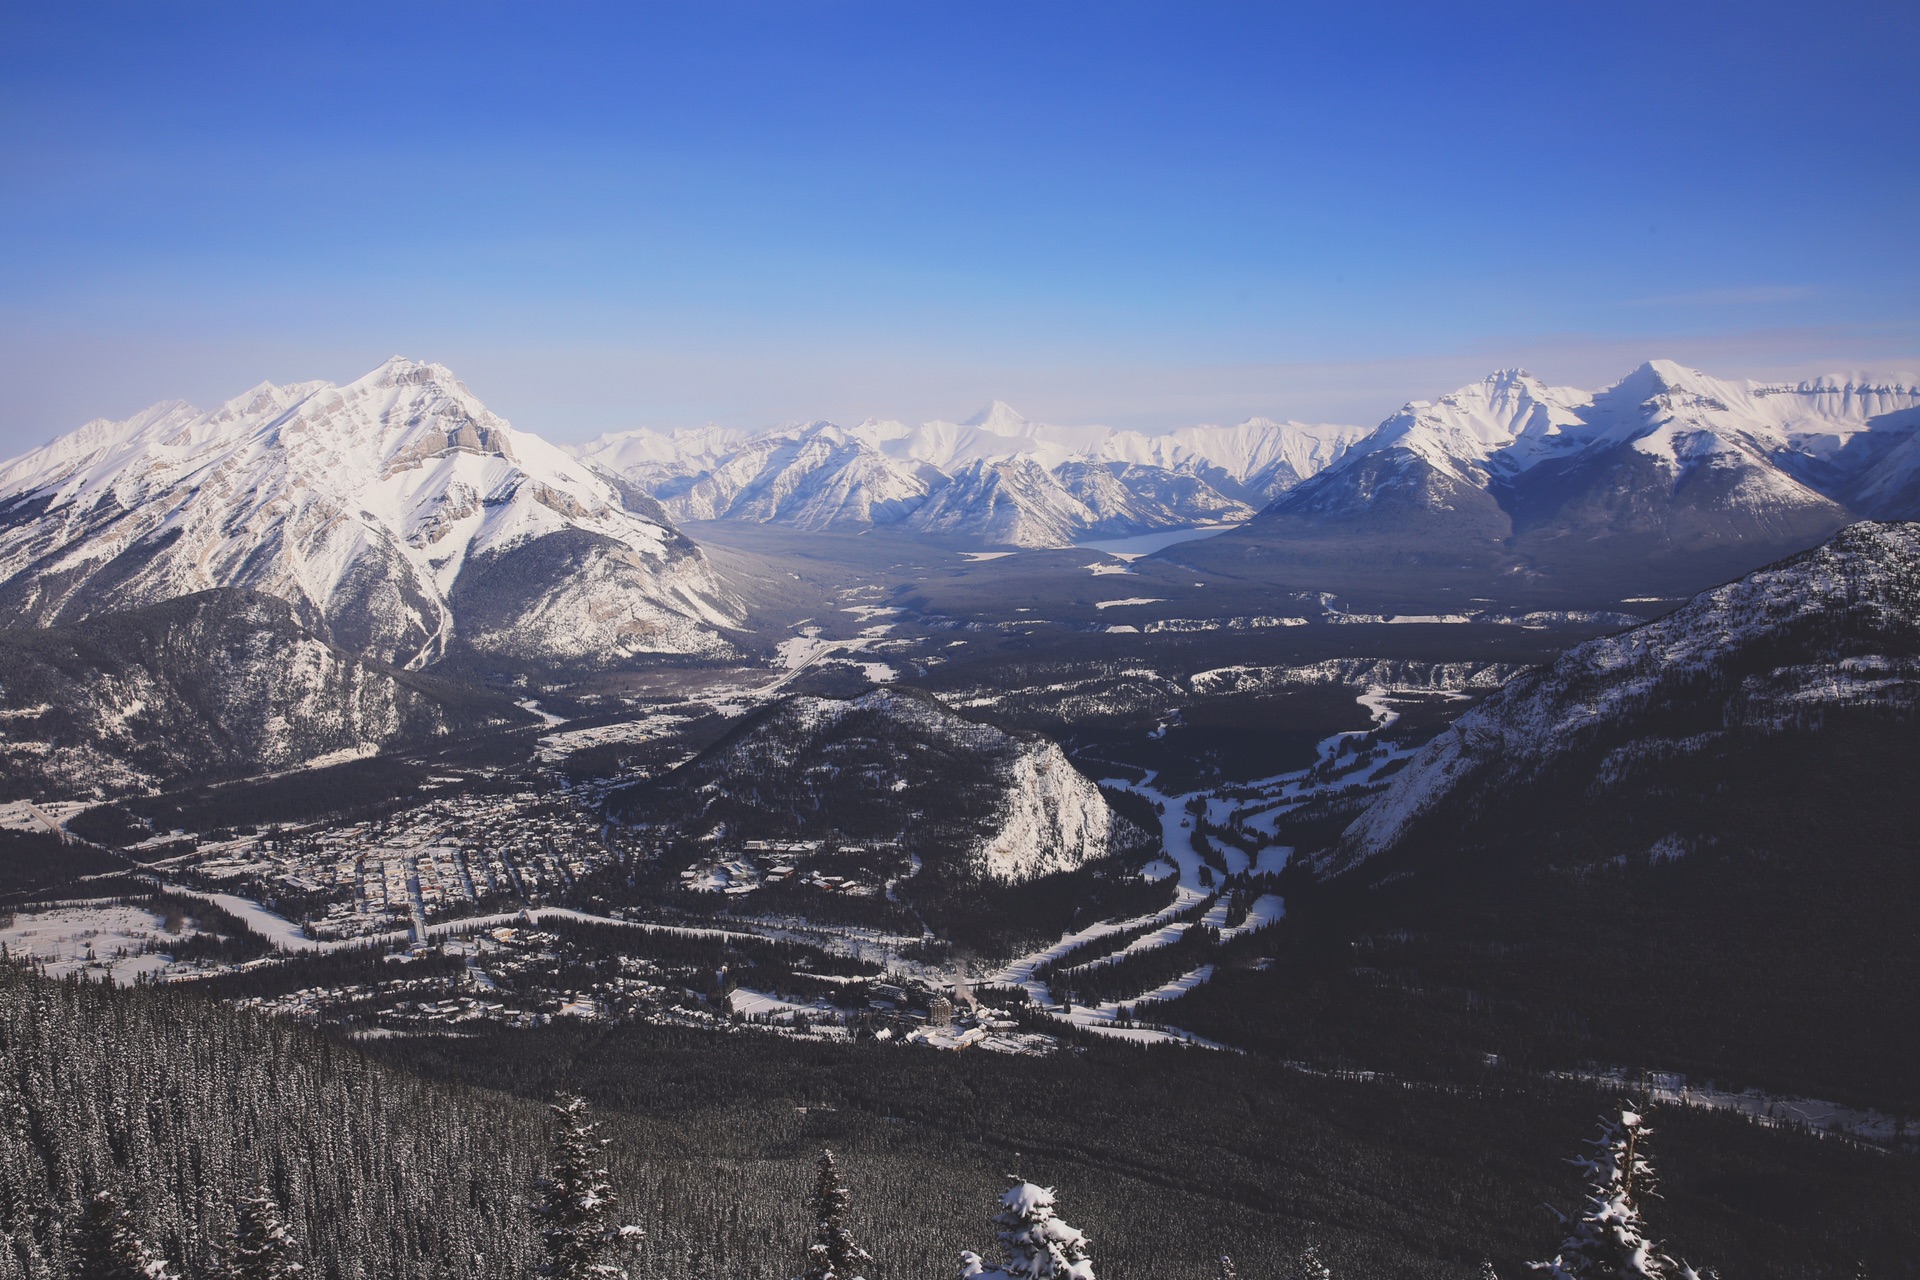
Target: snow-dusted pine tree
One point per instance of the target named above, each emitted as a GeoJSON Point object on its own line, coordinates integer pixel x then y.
{"type": "Point", "coordinates": [1607, 1237]}
{"type": "Point", "coordinates": [1227, 1271]}
{"type": "Point", "coordinates": [833, 1255]}
{"type": "Point", "coordinates": [576, 1202]}
{"type": "Point", "coordinates": [1038, 1245]}
{"type": "Point", "coordinates": [106, 1247]}
{"type": "Point", "coordinates": [1313, 1266]}
{"type": "Point", "coordinates": [262, 1248]}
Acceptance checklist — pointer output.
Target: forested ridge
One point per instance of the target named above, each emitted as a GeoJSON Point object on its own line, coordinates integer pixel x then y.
{"type": "Point", "coordinates": [428, 1160]}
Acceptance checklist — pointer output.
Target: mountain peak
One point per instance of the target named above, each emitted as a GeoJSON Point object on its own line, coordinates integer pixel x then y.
{"type": "Point", "coordinates": [1000, 418]}
{"type": "Point", "coordinates": [401, 371]}
{"type": "Point", "coordinates": [1656, 376]}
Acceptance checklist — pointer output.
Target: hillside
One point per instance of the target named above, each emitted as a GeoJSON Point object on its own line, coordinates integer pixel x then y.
{"type": "Point", "coordinates": [1685, 847]}
{"type": "Point", "coordinates": [895, 766]}
{"type": "Point", "coordinates": [211, 685]}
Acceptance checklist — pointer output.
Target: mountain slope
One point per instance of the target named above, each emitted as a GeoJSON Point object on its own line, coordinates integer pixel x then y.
{"type": "Point", "coordinates": [212, 685]}
{"type": "Point", "coordinates": [372, 508]}
{"type": "Point", "coordinates": [1689, 847]}
{"type": "Point", "coordinates": [1835, 627]}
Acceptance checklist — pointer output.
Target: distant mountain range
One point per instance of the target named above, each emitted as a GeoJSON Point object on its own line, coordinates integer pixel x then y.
{"type": "Point", "coordinates": [396, 515]}
{"type": "Point", "coordinates": [997, 478]}
{"type": "Point", "coordinates": [402, 520]}
{"type": "Point", "coordinates": [1668, 460]}
{"type": "Point", "coordinates": [1666, 467]}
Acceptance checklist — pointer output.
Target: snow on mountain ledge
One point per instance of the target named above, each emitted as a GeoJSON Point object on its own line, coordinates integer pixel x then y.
{"type": "Point", "coordinates": [396, 513]}
{"type": "Point", "coordinates": [1812, 630]}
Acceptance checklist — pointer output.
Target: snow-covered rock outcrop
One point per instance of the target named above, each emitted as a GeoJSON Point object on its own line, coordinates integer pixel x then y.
{"type": "Point", "coordinates": [1054, 818]}
{"type": "Point", "coordinates": [396, 514]}
{"type": "Point", "coordinates": [1833, 627]}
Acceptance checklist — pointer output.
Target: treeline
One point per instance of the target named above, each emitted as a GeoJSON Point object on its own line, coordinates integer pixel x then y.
{"type": "Point", "coordinates": [33, 863]}
{"type": "Point", "coordinates": [1094, 949]}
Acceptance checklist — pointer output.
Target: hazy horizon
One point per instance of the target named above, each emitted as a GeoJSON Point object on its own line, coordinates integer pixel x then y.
{"type": "Point", "coordinates": [1145, 216]}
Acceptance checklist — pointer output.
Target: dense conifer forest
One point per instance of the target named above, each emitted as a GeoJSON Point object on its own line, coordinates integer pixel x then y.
{"type": "Point", "coordinates": [182, 1110]}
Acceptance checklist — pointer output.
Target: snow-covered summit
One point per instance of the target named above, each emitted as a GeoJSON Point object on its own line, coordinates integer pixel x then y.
{"type": "Point", "coordinates": [377, 508]}
{"type": "Point", "coordinates": [1000, 418]}
{"type": "Point", "coordinates": [1510, 416]}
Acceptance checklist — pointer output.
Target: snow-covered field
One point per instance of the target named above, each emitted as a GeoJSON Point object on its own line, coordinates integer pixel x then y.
{"type": "Point", "coordinates": [104, 939]}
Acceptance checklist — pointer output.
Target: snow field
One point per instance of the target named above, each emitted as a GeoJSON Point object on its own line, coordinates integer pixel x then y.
{"type": "Point", "coordinates": [95, 939]}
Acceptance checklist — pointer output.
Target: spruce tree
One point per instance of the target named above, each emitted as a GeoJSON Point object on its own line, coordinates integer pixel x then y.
{"type": "Point", "coordinates": [1038, 1245]}
{"type": "Point", "coordinates": [105, 1246]}
{"type": "Point", "coordinates": [576, 1202]}
{"type": "Point", "coordinates": [1607, 1238]}
{"type": "Point", "coordinates": [261, 1247]}
{"type": "Point", "coordinates": [833, 1255]}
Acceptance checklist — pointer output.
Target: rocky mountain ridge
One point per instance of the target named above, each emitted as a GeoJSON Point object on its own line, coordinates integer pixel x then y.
{"type": "Point", "coordinates": [1667, 459]}
{"type": "Point", "coordinates": [895, 766]}
{"type": "Point", "coordinates": [396, 514]}
{"type": "Point", "coordinates": [1836, 627]}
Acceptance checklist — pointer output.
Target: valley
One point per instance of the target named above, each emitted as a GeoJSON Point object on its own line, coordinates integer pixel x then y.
{"type": "Point", "coordinates": [1378, 811]}
{"type": "Point", "coordinates": [898, 641]}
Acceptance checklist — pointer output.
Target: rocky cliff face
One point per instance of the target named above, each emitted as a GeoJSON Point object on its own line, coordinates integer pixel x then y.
{"type": "Point", "coordinates": [212, 685]}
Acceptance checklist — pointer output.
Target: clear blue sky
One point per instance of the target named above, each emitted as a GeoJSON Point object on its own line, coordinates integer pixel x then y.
{"type": "Point", "coordinates": [1145, 214]}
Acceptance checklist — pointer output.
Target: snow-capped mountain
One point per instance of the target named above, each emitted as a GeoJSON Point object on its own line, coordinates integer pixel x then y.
{"type": "Point", "coordinates": [1668, 453]}
{"type": "Point", "coordinates": [997, 477]}
{"type": "Point", "coordinates": [210, 685]}
{"type": "Point", "coordinates": [396, 514]}
{"type": "Point", "coordinates": [1833, 628]}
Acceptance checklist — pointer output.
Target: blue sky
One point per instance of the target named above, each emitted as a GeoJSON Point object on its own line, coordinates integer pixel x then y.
{"type": "Point", "coordinates": [1145, 214]}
